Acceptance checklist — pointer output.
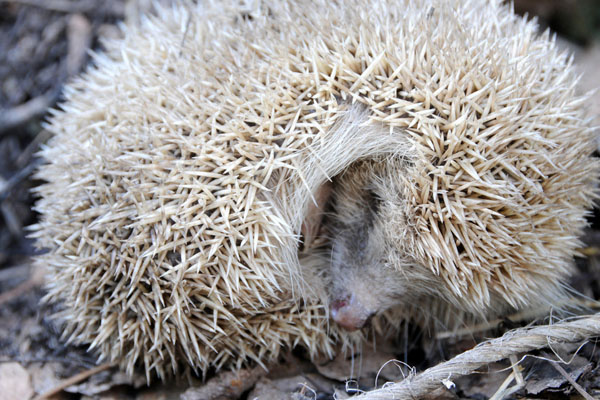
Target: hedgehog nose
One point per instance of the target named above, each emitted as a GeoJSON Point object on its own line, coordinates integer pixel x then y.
{"type": "Point", "coordinates": [349, 314]}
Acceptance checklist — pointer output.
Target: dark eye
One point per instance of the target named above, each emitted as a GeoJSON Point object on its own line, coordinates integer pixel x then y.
{"type": "Point", "coordinates": [373, 201]}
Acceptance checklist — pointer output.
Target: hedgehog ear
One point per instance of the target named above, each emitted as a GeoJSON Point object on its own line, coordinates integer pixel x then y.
{"type": "Point", "coordinates": [311, 226]}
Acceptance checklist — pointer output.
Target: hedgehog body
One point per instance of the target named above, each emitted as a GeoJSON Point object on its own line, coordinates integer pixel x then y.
{"type": "Point", "coordinates": [183, 163]}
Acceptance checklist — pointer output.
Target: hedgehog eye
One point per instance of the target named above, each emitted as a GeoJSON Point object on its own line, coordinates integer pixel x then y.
{"type": "Point", "coordinates": [373, 201]}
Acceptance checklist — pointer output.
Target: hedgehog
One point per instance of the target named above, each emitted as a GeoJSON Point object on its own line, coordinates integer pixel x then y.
{"type": "Point", "coordinates": [227, 176]}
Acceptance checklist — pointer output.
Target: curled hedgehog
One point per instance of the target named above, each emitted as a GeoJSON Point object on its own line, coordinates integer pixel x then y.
{"type": "Point", "coordinates": [225, 174]}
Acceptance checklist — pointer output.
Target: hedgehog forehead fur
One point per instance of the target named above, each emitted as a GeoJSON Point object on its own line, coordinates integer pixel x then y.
{"type": "Point", "coordinates": [183, 162]}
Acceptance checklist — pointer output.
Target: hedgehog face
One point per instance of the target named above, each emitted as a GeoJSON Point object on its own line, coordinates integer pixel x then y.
{"type": "Point", "coordinates": [369, 270]}
{"type": "Point", "coordinates": [362, 279]}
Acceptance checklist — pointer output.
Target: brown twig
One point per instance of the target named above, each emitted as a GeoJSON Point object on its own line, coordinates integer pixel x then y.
{"type": "Point", "coordinates": [63, 6]}
{"type": "Point", "coordinates": [226, 385]}
{"type": "Point", "coordinates": [73, 380]}
{"type": "Point", "coordinates": [569, 378]}
{"type": "Point", "coordinates": [15, 272]}
{"type": "Point", "coordinates": [79, 38]}
{"type": "Point", "coordinates": [79, 35]}
{"type": "Point", "coordinates": [18, 290]}
{"type": "Point", "coordinates": [7, 187]}
{"type": "Point", "coordinates": [36, 279]}
{"type": "Point", "coordinates": [12, 220]}
{"type": "Point", "coordinates": [79, 362]}
{"type": "Point", "coordinates": [18, 115]}
{"type": "Point", "coordinates": [27, 154]}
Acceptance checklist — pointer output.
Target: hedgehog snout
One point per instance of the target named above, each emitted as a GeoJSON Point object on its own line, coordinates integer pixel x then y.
{"type": "Point", "coordinates": [350, 313]}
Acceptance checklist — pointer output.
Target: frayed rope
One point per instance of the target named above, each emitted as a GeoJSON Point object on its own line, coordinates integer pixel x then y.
{"type": "Point", "coordinates": [511, 343]}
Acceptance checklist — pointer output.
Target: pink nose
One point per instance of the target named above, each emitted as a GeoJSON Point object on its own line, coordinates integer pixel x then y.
{"type": "Point", "coordinates": [348, 314]}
